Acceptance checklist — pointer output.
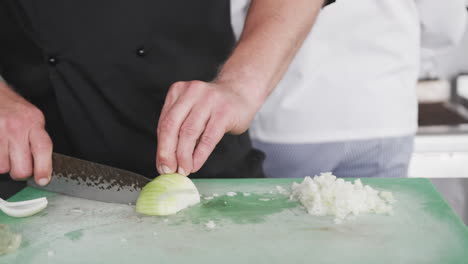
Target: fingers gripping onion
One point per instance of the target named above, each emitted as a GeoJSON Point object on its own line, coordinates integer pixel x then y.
{"type": "Point", "coordinates": [167, 195]}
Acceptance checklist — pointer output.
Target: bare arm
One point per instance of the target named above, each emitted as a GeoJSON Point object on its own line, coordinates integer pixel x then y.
{"type": "Point", "coordinates": [197, 114]}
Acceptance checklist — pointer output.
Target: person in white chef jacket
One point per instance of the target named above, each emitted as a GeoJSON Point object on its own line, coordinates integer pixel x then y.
{"type": "Point", "coordinates": [348, 102]}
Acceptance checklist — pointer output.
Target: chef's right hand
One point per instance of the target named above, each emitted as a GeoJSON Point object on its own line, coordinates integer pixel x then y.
{"type": "Point", "coordinates": [25, 146]}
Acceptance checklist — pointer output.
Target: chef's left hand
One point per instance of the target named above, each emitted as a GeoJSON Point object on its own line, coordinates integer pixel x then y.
{"type": "Point", "coordinates": [197, 114]}
{"type": "Point", "coordinates": [194, 118]}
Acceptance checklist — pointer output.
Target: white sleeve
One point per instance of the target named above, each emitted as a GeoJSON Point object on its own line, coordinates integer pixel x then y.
{"type": "Point", "coordinates": [443, 23]}
{"type": "Point", "coordinates": [239, 10]}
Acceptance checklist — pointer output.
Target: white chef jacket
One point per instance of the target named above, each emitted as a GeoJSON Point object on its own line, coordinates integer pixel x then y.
{"type": "Point", "coordinates": [355, 75]}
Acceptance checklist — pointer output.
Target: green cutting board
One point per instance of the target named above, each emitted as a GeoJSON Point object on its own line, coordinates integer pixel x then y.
{"type": "Point", "coordinates": [265, 227]}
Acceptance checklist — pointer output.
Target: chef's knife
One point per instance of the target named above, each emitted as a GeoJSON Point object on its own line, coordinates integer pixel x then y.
{"type": "Point", "coordinates": [93, 181]}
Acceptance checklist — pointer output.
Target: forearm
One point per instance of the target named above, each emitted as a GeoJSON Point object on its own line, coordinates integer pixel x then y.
{"type": "Point", "coordinates": [273, 33]}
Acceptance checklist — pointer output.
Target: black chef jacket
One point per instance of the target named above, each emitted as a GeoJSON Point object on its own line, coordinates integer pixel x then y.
{"type": "Point", "coordinates": [100, 71]}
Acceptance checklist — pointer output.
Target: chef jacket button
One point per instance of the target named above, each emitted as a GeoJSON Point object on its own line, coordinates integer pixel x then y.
{"type": "Point", "coordinates": [52, 60]}
{"type": "Point", "coordinates": [141, 52]}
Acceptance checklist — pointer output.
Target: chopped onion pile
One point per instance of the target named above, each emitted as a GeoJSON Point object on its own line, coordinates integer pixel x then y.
{"type": "Point", "coordinates": [327, 195]}
{"type": "Point", "coordinates": [167, 195]}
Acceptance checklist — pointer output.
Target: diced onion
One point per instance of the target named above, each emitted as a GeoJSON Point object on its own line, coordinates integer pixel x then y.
{"type": "Point", "coordinates": [327, 195]}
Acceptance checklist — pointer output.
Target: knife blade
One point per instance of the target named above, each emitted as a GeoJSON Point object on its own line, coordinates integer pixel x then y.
{"type": "Point", "coordinates": [92, 181]}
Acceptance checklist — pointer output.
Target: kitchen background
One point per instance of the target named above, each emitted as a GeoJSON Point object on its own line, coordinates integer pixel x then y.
{"type": "Point", "coordinates": [441, 146]}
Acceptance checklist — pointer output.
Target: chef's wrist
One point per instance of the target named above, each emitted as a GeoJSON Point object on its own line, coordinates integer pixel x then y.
{"type": "Point", "coordinates": [251, 89]}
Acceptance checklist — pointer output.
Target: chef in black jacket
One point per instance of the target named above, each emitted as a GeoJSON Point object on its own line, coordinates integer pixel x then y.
{"type": "Point", "coordinates": [139, 85]}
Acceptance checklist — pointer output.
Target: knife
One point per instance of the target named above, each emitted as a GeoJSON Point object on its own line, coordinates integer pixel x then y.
{"type": "Point", "coordinates": [92, 181]}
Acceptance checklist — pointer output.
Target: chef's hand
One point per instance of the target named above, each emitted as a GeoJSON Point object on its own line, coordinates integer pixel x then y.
{"type": "Point", "coordinates": [194, 118]}
{"type": "Point", "coordinates": [197, 114]}
{"type": "Point", "coordinates": [25, 146]}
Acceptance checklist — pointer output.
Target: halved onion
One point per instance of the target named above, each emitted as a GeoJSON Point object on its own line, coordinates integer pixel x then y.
{"type": "Point", "coordinates": [167, 195]}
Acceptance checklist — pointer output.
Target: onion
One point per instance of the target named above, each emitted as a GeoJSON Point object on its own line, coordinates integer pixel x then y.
{"type": "Point", "coordinates": [327, 195]}
{"type": "Point", "coordinates": [167, 195]}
